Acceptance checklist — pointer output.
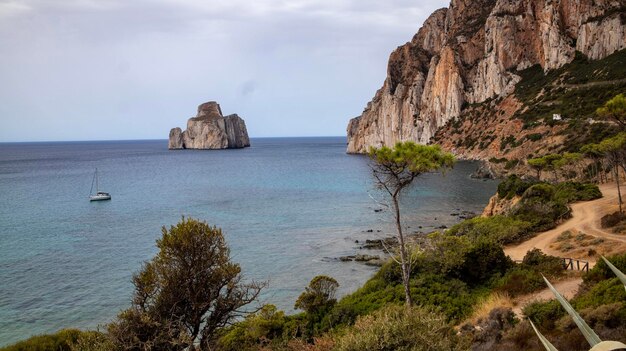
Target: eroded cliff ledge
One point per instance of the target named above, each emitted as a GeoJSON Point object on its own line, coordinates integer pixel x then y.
{"type": "Point", "coordinates": [472, 52]}
{"type": "Point", "coordinates": [210, 130]}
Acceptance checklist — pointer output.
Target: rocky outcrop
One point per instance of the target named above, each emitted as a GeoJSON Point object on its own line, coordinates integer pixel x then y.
{"type": "Point", "coordinates": [472, 52]}
{"type": "Point", "coordinates": [499, 206]}
{"type": "Point", "coordinates": [210, 130]}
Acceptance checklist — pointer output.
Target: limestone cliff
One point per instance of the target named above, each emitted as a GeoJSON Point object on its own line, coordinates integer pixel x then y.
{"type": "Point", "coordinates": [210, 130]}
{"type": "Point", "coordinates": [472, 52]}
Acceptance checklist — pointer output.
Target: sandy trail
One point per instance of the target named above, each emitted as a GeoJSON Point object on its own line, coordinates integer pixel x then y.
{"type": "Point", "coordinates": [568, 288]}
{"type": "Point", "coordinates": [585, 218]}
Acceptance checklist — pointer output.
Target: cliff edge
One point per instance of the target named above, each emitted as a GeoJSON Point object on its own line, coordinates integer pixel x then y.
{"type": "Point", "coordinates": [472, 53]}
{"type": "Point", "coordinates": [210, 130]}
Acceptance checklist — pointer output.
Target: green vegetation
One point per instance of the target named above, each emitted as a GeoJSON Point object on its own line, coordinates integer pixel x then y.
{"type": "Point", "coordinates": [185, 294]}
{"type": "Point", "coordinates": [614, 110]}
{"type": "Point", "coordinates": [62, 341]}
{"type": "Point", "coordinates": [601, 302]}
{"type": "Point", "coordinates": [394, 170]}
{"type": "Point", "coordinates": [400, 328]}
{"type": "Point", "coordinates": [575, 91]}
{"type": "Point", "coordinates": [563, 90]}
{"type": "Point", "coordinates": [541, 207]}
{"type": "Point", "coordinates": [614, 152]}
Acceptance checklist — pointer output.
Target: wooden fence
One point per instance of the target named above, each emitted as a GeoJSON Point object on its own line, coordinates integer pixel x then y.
{"type": "Point", "coordinates": [575, 264]}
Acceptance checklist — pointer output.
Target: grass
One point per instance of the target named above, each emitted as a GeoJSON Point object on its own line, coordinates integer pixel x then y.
{"type": "Point", "coordinates": [486, 304]}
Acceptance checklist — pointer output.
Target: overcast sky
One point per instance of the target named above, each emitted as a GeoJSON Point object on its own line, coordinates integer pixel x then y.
{"type": "Point", "coordinates": [133, 69]}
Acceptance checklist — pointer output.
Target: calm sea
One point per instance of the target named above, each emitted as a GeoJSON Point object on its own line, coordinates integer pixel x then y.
{"type": "Point", "coordinates": [288, 207]}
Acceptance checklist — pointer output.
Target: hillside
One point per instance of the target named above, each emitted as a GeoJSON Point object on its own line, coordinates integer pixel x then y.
{"type": "Point", "coordinates": [513, 128]}
{"type": "Point", "coordinates": [485, 61]}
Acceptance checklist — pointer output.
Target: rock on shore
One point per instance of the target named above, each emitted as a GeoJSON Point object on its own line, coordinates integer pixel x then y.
{"type": "Point", "coordinates": [210, 130]}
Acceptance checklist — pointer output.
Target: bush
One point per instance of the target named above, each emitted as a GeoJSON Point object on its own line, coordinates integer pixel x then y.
{"type": "Point", "coordinates": [59, 341]}
{"type": "Point", "coordinates": [482, 262]}
{"type": "Point", "coordinates": [602, 272]}
{"type": "Point", "coordinates": [544, 314]}
{"type": "Point", "coordinates": [550, 266]}
{"type": "Point", "coordinates": [500, 229]}
{"type": "Point", "coordinates": [257, 329]}
{"type": "Point", "coordinates": [520, 281]}
{"type": "Point", "coordinates": [568, 192]}
{"type": "Point", "coordinates": [400, 328]}
{"type": "Point", "coordinates": [513, 186]}
{"type": "Point", "coordinates": [611, 220]}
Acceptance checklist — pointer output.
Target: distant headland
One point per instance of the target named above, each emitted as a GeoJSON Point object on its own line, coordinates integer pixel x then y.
{"type": "Point", "coordinates": [210, 130]}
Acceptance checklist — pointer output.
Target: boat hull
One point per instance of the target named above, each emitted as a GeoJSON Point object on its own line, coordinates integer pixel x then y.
{"type": "Point", "coordinates": [100, 198]}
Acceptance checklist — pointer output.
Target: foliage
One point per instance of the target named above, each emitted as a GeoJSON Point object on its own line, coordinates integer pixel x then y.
{"type": "Point", "coordinates": [513, 186]}
{"type": "Point", "coordinates": [394, 170]}
{"type": "Point", "coordinates": [93, 341]}
{"type": "Point", "coordinates": [601, 291]}
{"type": "Point", "coordinates": [614, 110]}
{"type": "Point", "coordinates": [527, 277]}
{"type": "Point", "coordinates": [320, 294]}
{"type": "Point", "coordinates": [569, 192]}
{"type": "Point", "coordinates": [400, 328]}
{"type": "Point", "coordinates": [61, 341]}
{"type": "Point", "coordinates": [539, 208]}
{"type": "Point", "coordinates": [185, 294]}
{"type": "Point", "coordinates": [500, 229]}
{"type": "Point", "coordinates": [257, 329]}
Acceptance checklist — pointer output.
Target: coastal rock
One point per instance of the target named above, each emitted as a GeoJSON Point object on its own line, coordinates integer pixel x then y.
{"type": "Point", "coordinates": [210, 130]}
{"type": "Point", "coordinates": [499, 206]}
{"type": "Point", "coordinates": [472, 52]}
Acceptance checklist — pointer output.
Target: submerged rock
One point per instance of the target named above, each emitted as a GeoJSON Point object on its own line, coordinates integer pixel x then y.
{"type": "Point", "coordinates": [210, 130]}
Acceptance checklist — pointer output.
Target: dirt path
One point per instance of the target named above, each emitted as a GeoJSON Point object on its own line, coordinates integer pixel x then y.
{"type": "Point", "coordinates": [568, 288]}
{"type": "Point", "coordinates": [585, 218]}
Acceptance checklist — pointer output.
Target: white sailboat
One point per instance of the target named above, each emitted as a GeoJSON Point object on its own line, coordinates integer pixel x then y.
{"type": "Point", "coordinates": [100, 195]}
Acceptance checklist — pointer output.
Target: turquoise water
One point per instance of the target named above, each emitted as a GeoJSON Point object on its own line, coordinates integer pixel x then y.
{"type": "Point", "coordinates": [288, 207]}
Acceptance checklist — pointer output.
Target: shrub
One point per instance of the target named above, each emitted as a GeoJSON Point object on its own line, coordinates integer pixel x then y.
{"type": "Point", "coordinates": [500, 229]}
{"type": "Point", "coordinates": [512, 186]}
{"type": "Point", "coordinates": [550, 266]}
{"type": "Point", "coordinates": [482, 262]}
{"type": "Point", "coordinates": [611, 220]}
{"type": "Point", "coordinates": [511, 163]}
{"type": "Point", "coordinates": [568, 192]}
{"type": "Point", "coordinates": [602, 272]}
{"type": "Point", "coordinates": [61, 341]}
{"type": "Point", "coordinates": [257, 329]}
{"type": "Point", "coordinates": [400, 328]}
{"type": "Point", "coordinates": [520, 281]}
{"type": "Point", "coordinates": [544, 314]}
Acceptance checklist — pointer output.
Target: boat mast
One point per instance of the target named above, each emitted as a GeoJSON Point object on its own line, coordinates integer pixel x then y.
{"type": "Point", "coordinates": [97, 187]}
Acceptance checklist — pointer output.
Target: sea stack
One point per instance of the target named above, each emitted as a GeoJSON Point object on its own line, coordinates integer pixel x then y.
{"type": "Point", "coordinates": [210, 130]}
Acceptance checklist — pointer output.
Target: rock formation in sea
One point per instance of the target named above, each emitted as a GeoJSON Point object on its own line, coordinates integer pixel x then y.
{"type": "Point", "coordinates": [210, 130]}
{"type": "Point", "coordinates": [472, 52]}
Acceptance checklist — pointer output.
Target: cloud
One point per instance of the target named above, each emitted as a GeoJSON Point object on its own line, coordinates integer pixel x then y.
{"type": "Point", "coordinates": [137, 68]}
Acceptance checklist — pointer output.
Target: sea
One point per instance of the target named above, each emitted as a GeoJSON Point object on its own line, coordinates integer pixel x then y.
{"type": "Point", "coordinates": [289, 208]}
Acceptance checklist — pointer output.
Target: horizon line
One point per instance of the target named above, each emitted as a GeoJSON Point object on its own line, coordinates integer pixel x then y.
{"type": "Point", "coordinates": [151, 139]}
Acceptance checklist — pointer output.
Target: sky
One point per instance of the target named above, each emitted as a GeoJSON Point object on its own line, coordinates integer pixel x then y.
{"type": "Point", "coordinates": [133, 69]}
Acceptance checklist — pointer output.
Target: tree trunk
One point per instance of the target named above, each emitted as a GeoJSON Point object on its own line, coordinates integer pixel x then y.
{"type": "Point", "coordinates": [404, 261]}
{"type": "Point", "coordinates": [619, 191]}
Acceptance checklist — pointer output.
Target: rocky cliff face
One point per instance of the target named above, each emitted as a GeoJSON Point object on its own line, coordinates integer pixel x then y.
{"type": "Point", "coordinates": [210, 130]}
{"type": "Point", "coordinates": [472, 52]}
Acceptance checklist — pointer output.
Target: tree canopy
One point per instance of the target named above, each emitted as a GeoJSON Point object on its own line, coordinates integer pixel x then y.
{"type": "Point", "coordinates": [319, 294]}
{"type": "Point", "coordinates": [184, 294]}
{"type": "Point", "coordinates": [615, 110]}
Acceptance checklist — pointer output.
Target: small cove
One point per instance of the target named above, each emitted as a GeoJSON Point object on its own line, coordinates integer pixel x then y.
{"type": "Point", "coordinates": [288, 207]}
